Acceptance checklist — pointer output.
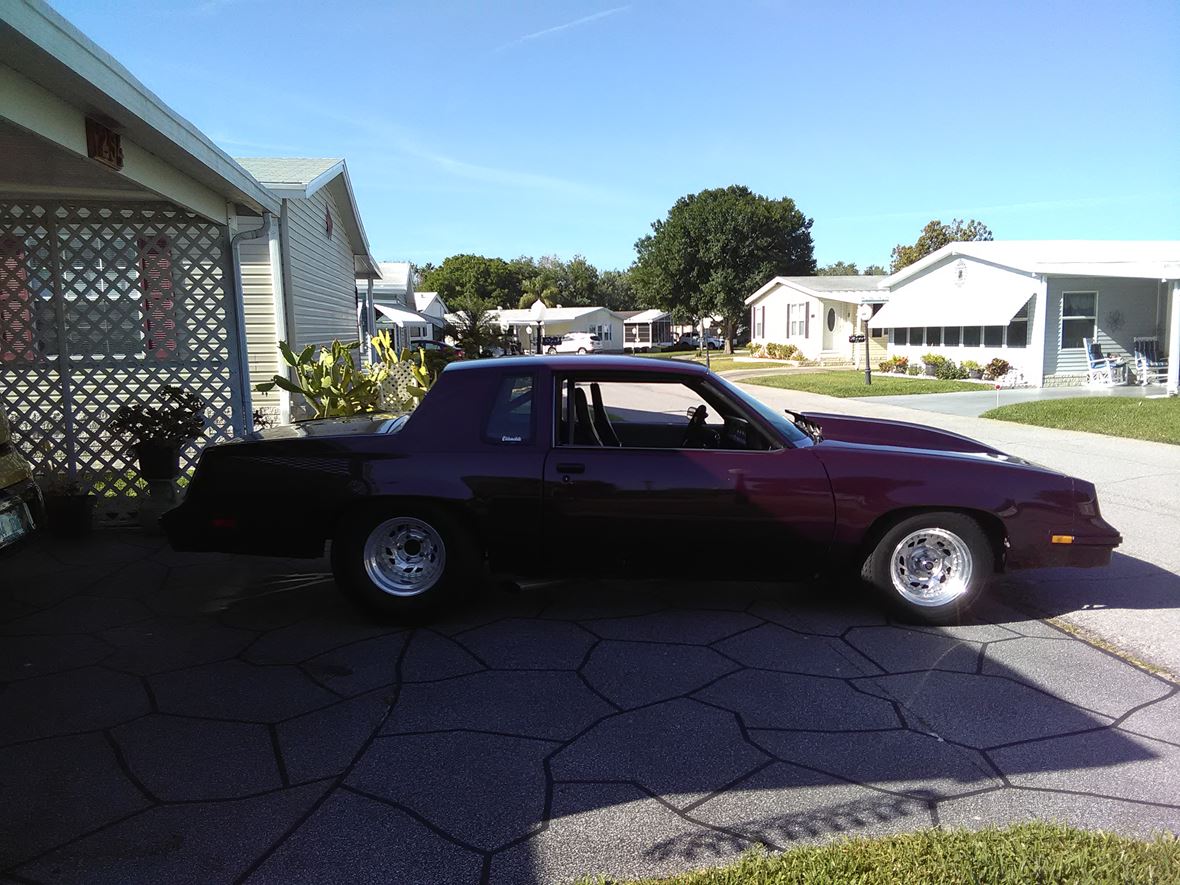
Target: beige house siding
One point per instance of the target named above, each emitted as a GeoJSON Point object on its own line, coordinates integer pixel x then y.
{"type": "Point", "coordinates": [262, 299]}
{"type": "Point", "coordinates": [323, 278]}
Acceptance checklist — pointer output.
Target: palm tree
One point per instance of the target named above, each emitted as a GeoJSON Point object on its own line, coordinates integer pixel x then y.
{"type": "Point", "coordinates": [538, 287]}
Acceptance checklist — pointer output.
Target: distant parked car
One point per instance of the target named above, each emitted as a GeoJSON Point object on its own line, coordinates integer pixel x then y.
{"type": "Point", "coordinates": [576, 342]}
{"type": "Point", "coordinates": [691, 339]}
{"type": "Point", "coordinates": [429, 344]}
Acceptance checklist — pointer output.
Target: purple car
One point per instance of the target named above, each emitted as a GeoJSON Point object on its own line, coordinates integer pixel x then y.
{"type": "Point", "coordinates": [602, 465]}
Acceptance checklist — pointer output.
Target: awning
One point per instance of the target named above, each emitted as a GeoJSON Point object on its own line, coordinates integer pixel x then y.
{"type": "Point", "coordinates": [399, 316]}
{"type": "Point", "coordinates": [958, 307]}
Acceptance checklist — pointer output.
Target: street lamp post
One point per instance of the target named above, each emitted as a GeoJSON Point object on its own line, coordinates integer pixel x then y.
{"type": "Point", "coordinates": [865, 313]}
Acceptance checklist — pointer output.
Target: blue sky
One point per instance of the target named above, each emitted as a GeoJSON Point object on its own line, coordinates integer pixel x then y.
{"type": "Point", "coordinates": [508, 128]}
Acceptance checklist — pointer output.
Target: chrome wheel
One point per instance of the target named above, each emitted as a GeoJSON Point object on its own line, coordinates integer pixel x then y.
{"type": "Point", "coordinates": [404, 556]}
{"type": "Point", "coordinates": [931, 567]}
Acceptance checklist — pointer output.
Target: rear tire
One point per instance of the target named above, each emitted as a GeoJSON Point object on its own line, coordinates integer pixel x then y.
{"type": "Point", "coordinates": [551, 351]}
{"type": "Point", "coordinates": [931, 567]}
{"type": "Point", "coordinates": [582, 351]}
{"type": "Point", "coordinates": [404, 562]}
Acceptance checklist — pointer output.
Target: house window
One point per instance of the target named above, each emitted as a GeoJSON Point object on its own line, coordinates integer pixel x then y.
{"type": "Point", "coordinates": [511, 418]}
{"type": "Point", "coordinates": [1078, 310]}
{"type": "Point", "coordinates": [934, 336]}
{"type": "Point", "coordinates": [916, 336]}
{"type": "Point", "coordinates": [799, 320]}
{"type": "Point", "coordinates": [1018, 329]}
{"type": "Point", "coordinates": [950, 336]}
{"type": "Point", "coordinates": [993, 336]}
{"type": "Point", "coordinates": [971, 336]}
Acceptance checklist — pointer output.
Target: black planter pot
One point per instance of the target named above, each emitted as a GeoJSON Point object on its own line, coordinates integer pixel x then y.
{"type": "Point", "coordinates": [70, 516]}
{"type": "Point", "coordinates": [158, 462]}
{"type": "Point", "coordinates": [975, 374]}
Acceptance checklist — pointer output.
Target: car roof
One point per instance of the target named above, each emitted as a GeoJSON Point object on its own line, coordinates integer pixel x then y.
{"type": "Point", "coordinates": [581, 362]}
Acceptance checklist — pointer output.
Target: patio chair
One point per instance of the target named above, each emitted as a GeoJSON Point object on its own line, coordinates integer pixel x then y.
{"type": "Point", "coordinates": [1102, 371]}
{"type": "Point", "coordinates": [1150, 367]}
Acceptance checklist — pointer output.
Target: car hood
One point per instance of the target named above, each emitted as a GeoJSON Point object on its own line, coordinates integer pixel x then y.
{"type": "Point", "coordinates": [899, 434]}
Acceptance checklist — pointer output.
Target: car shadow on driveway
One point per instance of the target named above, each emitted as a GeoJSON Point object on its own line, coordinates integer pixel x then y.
{"type": "Point", "coordinates": [223, 719]}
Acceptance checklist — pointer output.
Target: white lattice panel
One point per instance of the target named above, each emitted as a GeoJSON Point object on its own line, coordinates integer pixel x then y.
{"type": "Point", "coordinates": [102, 305]}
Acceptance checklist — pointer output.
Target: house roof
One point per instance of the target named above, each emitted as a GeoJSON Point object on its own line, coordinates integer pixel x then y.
{"type": "Point", "coordinates": [850, 289]}
{"type": "Point", "coordinates": [44, 47]}
{"type": "Point", "coordinates": [643, 316]}
{"type": "Point", "coordinates": [552, 314]}
{"type": "Point", "coordinates": [423, 300]}
{"type": "Point", "coordinates": [302, 178]}
{"type": "Point", "coordinates": [395, 276]}
{"type": "Point", "coordinates": [1140, 259]}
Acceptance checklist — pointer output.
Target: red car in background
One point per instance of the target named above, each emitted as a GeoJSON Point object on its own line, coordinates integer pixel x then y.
{"type": "Point", "coordinates": [553, 466]}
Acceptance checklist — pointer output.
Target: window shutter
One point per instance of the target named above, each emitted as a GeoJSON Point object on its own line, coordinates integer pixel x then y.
{"type": "Point", "coordinates": [159, 303]}
{"type": "Point", "coordinates": [17, 336]}
{"type": "Point", "coordinates": [807, 320]}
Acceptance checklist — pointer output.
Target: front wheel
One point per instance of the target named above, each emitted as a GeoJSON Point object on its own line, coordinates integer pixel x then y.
{"type": "Point", "coordinates": [403, 563]}
{"type": "Point", "coordinates": [582, 351]}
{"type": "Point", "coordinates": [931, 567]}
{"type": "Point", "coordinates": [551, 351]}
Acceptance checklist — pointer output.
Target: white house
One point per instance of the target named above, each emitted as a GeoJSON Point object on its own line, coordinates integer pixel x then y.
{"type": "Point", "coordinates": [431, 306]}
{"type": "Point", "coordinates": [299, 280]}
{"type": "Point", "coordinates": [600, 321]}
{"type": "Point", "coordinates": [396, 304]}
{"type": "Point", "coordinates": [1033, 302]}
{"type": "Point", "coordinates": [817, 315]}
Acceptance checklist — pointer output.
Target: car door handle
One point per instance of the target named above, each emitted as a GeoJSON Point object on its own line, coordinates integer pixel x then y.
{"type": "Point", "coordinates": [571, 468]}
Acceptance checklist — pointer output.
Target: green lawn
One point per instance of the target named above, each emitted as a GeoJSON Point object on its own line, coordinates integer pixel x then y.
{"type": "Point", "coordinates": [845, 384]}
{"type": "Point", "coordinates": [1133, 417]}
{"type": "Point", "coordinates": [1035, 852]}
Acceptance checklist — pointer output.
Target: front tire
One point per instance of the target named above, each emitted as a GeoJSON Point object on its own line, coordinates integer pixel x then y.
{"type": "Point", "coordinates": [581, 351]}
{"type": "Point", "coordinates": [403, 563]}
{"type": "Point", "coordinates": [551, 351]}
{"type": "Point", "coordinates": [931, 567]}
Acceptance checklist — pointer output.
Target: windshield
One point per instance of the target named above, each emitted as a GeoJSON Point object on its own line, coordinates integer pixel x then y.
{"type": "Point", "coordinates": [785, 426]}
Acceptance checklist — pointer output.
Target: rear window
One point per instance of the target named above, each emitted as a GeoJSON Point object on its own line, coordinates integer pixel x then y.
{"type": "Point", "coordinates": [511, 420]}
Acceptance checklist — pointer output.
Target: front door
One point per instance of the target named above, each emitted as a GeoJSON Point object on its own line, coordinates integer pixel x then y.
{"type": "Point", "coordinates": [831, 320]}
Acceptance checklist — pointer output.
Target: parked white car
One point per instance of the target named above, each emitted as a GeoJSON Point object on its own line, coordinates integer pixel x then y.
{"type": "Point", "coordinates": [576, 342]}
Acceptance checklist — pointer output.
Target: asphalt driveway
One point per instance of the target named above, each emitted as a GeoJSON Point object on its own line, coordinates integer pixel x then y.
{"type": "Point", "coordinates": [178, 718]}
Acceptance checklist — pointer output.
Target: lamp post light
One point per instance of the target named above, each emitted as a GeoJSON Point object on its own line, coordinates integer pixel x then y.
{"type": "Point", "coordinates": [865, 313]}
{"type": "Point", "coordinates": [538, 314]}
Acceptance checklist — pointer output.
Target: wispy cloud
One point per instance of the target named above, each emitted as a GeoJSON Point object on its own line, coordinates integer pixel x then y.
{"type": "Point", "coordinates": [1029, 206]}
{"type": "Point", "coordinates": [557, 29]}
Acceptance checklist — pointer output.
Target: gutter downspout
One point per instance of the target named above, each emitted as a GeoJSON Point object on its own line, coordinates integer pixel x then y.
{"type": "Point", "coordinates": [240, 310]}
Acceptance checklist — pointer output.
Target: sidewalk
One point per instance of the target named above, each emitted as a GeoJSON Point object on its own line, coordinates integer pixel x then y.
{"type": "Point", "coordinates": [1134, 604]}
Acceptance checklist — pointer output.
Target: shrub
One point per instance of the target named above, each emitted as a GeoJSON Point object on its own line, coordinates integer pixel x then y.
{"type": "Point", "coordinates": [886, 366]}
{"type": "Point", "coordinates": [997, 368]}
{"type": "Point", "coordinates": [913, 370]}
{"type": "Point", "coordinates": [972, 366]}
{"type": "Point", "coordinates": [948, 371]}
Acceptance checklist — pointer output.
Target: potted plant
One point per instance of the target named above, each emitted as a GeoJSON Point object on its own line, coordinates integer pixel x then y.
{"type": "Point", "coordinates": [69, 509]}
{"type": "Point", "coordinates": [156, 430]}
{"type": "Point", "coordinates": [996, 369]}
{"type": "Point", "coordinates": [974, 369]}
{"type": "Point", "coordinates": [931, 363]}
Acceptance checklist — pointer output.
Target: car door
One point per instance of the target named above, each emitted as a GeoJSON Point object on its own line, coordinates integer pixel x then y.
{"type": "Point", "coordinates": [691, 511]}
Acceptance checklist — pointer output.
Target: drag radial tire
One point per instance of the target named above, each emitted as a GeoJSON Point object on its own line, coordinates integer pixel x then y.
{"type": "Point", "coordinates": [404, 562]}
{"type": "Point", "coordinates": [931, 567]}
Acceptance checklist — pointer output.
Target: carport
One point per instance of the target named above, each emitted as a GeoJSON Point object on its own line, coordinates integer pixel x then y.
{"type": "Point", "coordinates": [118, 271]}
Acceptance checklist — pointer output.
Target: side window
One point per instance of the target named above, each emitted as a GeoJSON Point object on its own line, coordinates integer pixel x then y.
{"type": "Point", "coordinates": [511, 418]}
{"type": "Point", "coordinates": [1077, 318]}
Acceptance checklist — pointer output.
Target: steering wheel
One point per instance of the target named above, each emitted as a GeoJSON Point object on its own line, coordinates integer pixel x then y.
{"type": "Point", "coordinates": [697, 435]}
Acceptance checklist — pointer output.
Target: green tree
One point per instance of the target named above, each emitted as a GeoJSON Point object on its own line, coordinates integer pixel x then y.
{"type": "Point", "coordinates": [716, 247]}
{"type": "Point", "coordinates": [475, 327]}
{"type": "Point", "coordinates": [934, 236]}
{"type": "Point", "coordinates": [616, 291]}
{"type": "Point", "coordinates": [539, 286]}
{"type": "Point", "coordinates": [476, 279]}
{"type": "Point", "coordinates": [874, 270]}
{"type": "Point", "coordinates": [838, 269]}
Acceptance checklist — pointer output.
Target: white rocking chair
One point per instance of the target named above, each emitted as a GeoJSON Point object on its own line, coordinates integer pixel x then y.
{"type": "Point", "coordinates": [1102, 371]}
{"type": "Point", "coordinates": [1150, 367]}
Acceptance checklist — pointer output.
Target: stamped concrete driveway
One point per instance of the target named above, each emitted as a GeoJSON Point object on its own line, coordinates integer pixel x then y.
{"type": "Point", "coordinates": [173, 718]}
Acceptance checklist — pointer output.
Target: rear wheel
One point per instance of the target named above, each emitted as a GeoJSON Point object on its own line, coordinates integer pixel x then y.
{"type": "Point", "coordinates": [404, 563]}
{"type": "Point", "coordinates": [931, 567]}
{"type": "Point", "coordinates": [551, 350]}
{"type": "Point", "coordinates": [581, 350]}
